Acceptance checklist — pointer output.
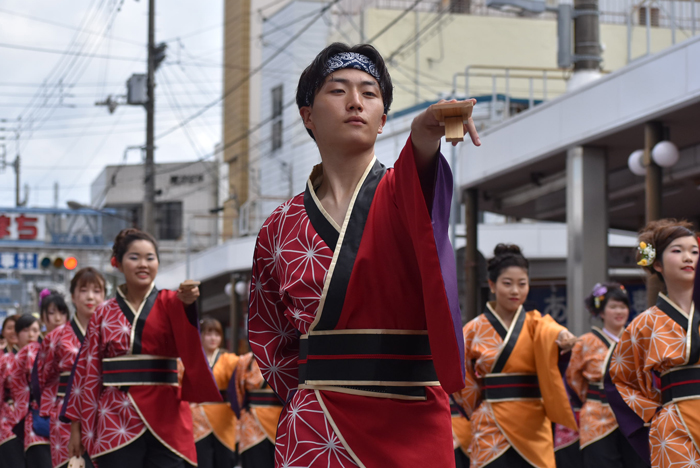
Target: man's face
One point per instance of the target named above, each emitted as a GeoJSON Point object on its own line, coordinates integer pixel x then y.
{"type": "Point", "coordinates": [348, 110]}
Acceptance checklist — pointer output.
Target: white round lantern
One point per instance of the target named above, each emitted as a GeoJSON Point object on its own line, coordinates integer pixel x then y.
{"type": "Point", "coordinates": [228, 289]}
{"type": "Point", "coordinates": [665, 154]}
{"type": "Point", "coordinates": [636, 164]}
{"type": "Point", "coordinates": [241, 288]}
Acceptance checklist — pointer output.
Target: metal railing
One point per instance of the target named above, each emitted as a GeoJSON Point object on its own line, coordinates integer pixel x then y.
{"type": "Point", "coordinates": [505, 86]}
{"type": "Point", "coordinates": [682, 15]}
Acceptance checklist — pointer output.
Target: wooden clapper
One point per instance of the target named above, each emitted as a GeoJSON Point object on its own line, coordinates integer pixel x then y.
{"type": "Point", "coordinates": [452, 115]}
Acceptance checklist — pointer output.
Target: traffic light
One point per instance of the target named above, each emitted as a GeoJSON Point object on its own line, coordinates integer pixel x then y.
{"type": "Point", "coordinates": [70, 263]}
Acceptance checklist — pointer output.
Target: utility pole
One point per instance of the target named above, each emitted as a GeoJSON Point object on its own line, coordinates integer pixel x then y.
{"type": "Point", "coordinates": [18, 202]}
{"type": "Point", "coordinates": [149, 224]}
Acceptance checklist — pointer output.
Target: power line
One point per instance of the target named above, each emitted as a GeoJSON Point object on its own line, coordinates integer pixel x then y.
{"type": "Point", "coordinates": [67, 52]}
{"type": "Point", "coordinates": [393, 22]}
{"type": "Point", "coordinates": [37, 116]}
{"type": "Point", "coordinates": [253, 72]}
{"type": "Point", "coordinates": [65, 26]}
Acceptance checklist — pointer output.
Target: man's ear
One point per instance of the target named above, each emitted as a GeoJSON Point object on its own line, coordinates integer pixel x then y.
{"type": "Point", "coordinates": [307, 118]}
{"type": "Point", "coordinates": [381, 125]}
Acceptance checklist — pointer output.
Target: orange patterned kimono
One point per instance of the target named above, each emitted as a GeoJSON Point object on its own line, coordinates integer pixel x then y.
{"type": "Point", "coordinates": [656, 369]}
{"type": "Point", "coordinates": [218, 418]}
{"type": "Point", "coordinates": [461, 429]}
{"type": "Point", "coordinates": [259, 407]}
{"type": "Point", "coordinates": [513, 371]}
{"type": "Point", "coordinates": [585, 376]}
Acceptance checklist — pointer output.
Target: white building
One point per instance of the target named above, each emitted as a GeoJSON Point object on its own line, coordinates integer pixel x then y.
{"type": "Point", "coordinates": [185, 195]}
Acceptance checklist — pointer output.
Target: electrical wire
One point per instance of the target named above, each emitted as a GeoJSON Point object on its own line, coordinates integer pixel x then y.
{"type": "Point", "coordinates": [253, 72]}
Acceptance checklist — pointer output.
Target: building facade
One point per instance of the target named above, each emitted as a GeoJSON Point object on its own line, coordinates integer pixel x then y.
{"type": "Point", "coordinates": [186, 195]}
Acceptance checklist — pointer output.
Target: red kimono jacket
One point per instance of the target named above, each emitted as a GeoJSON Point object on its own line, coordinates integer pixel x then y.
{"type": "Point", "coordinates": [20, 389]}
{"type": "Point", "coordinates": [59, 352]}
{"type": "Point", "coordinates": [357, 327]}
{"type": "Point", "coordinates": [7, 406]}
{"type": "Point", "coordinates": [113, 406]}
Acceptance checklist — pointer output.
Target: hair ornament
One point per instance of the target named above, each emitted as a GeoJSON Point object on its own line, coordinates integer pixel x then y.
{"type": "Point", "coordinates": [599, 292]}
{"type": "Point", "coordinates": [647, 252]}
{"type": "Point", "coordinates": [43, 294]}
{"type": "Point", "coordinates": [113, 262]}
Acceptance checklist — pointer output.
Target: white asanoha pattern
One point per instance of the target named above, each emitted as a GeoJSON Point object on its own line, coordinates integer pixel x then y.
{"type": "Point", "coordinates": [109, 419]}
{"type": "Point", "coordinates": [58, 353]}
{"type": "Point", "coordinates": [6, 410]}
{"type": "Point", "coordinates": [482, 344]}
{"type": "Point", "coordinates": [20, 374]}
{"type": "Point", "coordinates": [291, 262]}
{"type": "Point", "coordinates": [654, 342]}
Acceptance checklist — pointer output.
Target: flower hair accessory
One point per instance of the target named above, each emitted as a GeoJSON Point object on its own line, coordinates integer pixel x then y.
{"type": "Point", "coordinates": [647, 252]}
{"type": "Point", "coordinates": [599, 292]}
{"type": "Point", "coordinates": [43, 294]}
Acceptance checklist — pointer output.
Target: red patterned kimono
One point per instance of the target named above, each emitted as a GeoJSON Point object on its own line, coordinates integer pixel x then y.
{"type": "Point", "coordinates": [256, 404]}
{"type": "Point", "coordinates": [7, 406]}
{"type": "Point", "coordinates": [585, 376]}
{"type": "Point", "coordinates": [656, 369]}
{"type": "Point", "coordinates": [514, 389]}
{"type": "Point", "coordinates": [125, 379]}
{"type": "Point", "coordinates": [60, 349]}
{"type": "Point", "coordinates": [357, 327]}
{"type": "Point", "coordinates": [20, 389]}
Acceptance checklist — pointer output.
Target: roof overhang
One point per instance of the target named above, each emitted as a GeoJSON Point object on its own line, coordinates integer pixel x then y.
{"type": "Point", "coordinates": [521, 166]}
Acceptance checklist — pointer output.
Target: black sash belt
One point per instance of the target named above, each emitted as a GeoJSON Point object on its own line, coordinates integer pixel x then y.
{"type": "Point", "coordinates": [257, 399]}
{"type": "Point", "coordinates": [368, 362]}
{"type": "Point", "coordinates": [511, 387]}
{"type": "Point", "coordinates": [63, 383]}
{"type": "Point", "coordinates": [683, 383]}
{"type": "Point", "coordinates": [596, 393]}
{"type": "Point", "coordinates": [137, 370]}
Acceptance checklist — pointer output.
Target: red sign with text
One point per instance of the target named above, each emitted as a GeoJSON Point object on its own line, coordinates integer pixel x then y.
{"type": "Point", "coordinates": [21, 227]}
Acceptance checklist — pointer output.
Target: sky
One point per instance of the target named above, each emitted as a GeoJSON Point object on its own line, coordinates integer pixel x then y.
{"type": "Point", "coordinates": [49, 95]}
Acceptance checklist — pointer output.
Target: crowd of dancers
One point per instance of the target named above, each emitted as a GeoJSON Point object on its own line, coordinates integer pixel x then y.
{"type": "Point", "coordinates": [359, 357]}
{"type": "Point", "coordinates": [151, 387]}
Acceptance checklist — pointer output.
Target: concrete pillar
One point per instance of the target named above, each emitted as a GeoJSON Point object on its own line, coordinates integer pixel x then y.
{"type": "Point", "coordinates": [587, 227]}
{"type": "Point", "coordinates": [471, 264]}
{"type": "Point", "coordinates": [652, 135]}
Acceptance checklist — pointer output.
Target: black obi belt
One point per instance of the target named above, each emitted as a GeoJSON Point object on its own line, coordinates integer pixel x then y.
{"type": "Point", "coordinates": [137, 369]}
{"type": "Point", "coordinates": [62, 384]}
{"type": "Point", "coordinates": [505, 387]}
{"type": "Point", "coordinates": [368, 362]}
{"type": "Point", "coordinates": [681, 383]}
{"type": "Point", "coordinates": [596, 392]}
{"type": "Point", "coordinates": [262, 398]}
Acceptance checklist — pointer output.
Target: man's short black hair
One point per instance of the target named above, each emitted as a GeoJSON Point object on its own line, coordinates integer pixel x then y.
{"type": "Point", "coordinates": [313, 77]}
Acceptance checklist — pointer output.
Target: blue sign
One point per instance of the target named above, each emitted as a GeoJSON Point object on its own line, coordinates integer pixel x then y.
{"type": "Point", "coordinates": [19, 261]}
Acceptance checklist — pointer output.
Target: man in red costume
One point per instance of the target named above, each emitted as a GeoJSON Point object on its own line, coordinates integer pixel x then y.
{"type": "Point", "coordinates": [354, 315]}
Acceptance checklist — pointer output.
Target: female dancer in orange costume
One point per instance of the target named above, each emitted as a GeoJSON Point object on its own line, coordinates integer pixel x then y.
{"type": "Point", "coordinates": [514, 389]}
{"type": "Point", "coordinates": [602, 443]}
{"type": "Point", "coordinates": [655, 366]}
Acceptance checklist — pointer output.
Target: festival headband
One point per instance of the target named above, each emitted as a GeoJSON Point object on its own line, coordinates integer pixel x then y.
{"type": "Point", "coordinates": [647, 252]}
{"type": "Point", "coordinates": [341, 61]}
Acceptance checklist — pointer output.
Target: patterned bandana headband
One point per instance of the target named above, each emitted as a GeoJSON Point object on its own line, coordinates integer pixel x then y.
{"type": "Point", "coordinates": [345, 60]}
